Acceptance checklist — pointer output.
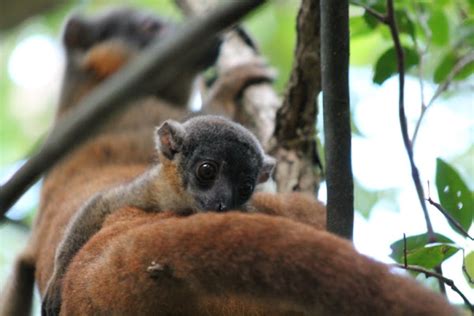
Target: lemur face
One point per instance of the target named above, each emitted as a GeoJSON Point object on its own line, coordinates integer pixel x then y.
{"type": "Point", "coordinates": [220, 161]}
{"type": "Point", "coordinates": [134, 27]}
{"type": "Point", "coordinates": [221, 176]}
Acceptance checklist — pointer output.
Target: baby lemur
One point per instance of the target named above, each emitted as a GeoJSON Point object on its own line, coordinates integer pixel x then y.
{"type": "Point", "coordinates": [207, 163]}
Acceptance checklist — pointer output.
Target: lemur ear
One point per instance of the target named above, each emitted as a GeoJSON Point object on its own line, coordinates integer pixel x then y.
{"type": "Point", "coordinates": [77, 33]}
{"type": "Point", "coordinates": [267, 169]}
{"type": "Point", "coordinates": [169, 138]}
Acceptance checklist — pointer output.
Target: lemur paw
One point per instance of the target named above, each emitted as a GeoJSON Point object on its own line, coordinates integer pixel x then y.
{"type": "Point", "coordinates": [232, 82]}
{"type": "Point", "coordinates": [51, 304]}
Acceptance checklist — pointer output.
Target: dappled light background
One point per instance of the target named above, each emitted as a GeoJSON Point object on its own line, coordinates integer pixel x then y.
{"type": "Point", "coordinates": [31, 65]}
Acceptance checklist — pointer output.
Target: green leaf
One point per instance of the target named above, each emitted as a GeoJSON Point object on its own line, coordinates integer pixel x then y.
{"type": "Point", "coordinates": [444, 67]}
{"type": "Point", "coordinates": [469, 264]}
{"type": "Point", "coordinates": [431, 255]}
{"type": "Point", "coordinates": [404, 23]}
{"type": "Point", "coordinates": [369, 3]}
{"type": "Point", "coordinates": [454, 195]}
{"type": "Point", "coordinates": [465, 33]}
{"type": "Point", "coordinates": [447, 64]}
{"type": "Point", "coordinates": [413, 243]}
{"type": "Point", "coordinates": [465, 72]}
{"type": "Point", "coordinates": [358, 26]}
{"type": "Point", "coordinates": [370, 20]}
{"type": "Point", "coordinates": [386, 65]}
{"type": "Point", "coordinates": [439, 26]}
{"type": "Point", "coordinates": [422, 254]}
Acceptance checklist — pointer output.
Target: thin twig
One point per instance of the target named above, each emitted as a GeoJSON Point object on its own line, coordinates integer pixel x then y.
{"type": "Point", "coordinates": [464, 269]}
{"type": "Point", "coordinates": [405, 257]}
{"type": "Point", "coordinates": [421, 18]}
{"type": "Point", "coordinates": [377, 15]}
{"type": "Point", "coordinates": [458, 67]}
{"type": "Point", "coordinates": [440, 277]}
{"type": "Point", "coordinates": [450, 219]}
{"type": "Point", "coordinates": [166, 58]}
{"type": "Point", "coordinates": [392, 24]}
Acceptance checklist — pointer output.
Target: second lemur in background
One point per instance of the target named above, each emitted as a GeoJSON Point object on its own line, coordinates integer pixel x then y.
{"type": "Point", "coordinates": [207, 163]}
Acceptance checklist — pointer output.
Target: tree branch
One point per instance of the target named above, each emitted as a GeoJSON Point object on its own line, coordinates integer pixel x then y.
{"type": "Point", "coordinates": [337, 129]}
{"type": "Point", "coordinates": [440, 277]}
{"type": "Point", "coordinates": [377, 15]}
{"type": "Point", "coordinates": [392, 24]}
{"type": "Point", "coordinates": [294, 138]}
{"type": "Point", "coordinates": [463, 62]}
{"type": "Point", "coordinates": [450, 219]}
{"type": "Point", "coordinates": [257, 106]}
{"type": "Point", "coordinates": [167, 58]}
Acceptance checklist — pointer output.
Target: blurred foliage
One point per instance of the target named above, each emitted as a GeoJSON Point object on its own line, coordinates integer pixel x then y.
{"type": "Point", "coordinates": [469, 270]}
{"type": "Point", "coordinates": [436, 33]}
{"type": "Point", "coordinates": [437, 39]}
{"type": "Point", "coordinates": [436, 36]}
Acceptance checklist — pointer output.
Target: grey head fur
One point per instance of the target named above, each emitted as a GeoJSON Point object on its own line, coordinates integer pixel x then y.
{"type": "Point", "coordinates": [220, 161]}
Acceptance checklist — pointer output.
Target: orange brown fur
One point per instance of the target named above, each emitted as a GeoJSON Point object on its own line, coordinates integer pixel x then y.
{"type": "Point", "coordinates": [110, 159]}
{"type": "Point", "coordinates": [302, 207]}
{"type": "Point", "coordinates": [233, 264]}
{"type": "Point", "coordinates": [107, 58]}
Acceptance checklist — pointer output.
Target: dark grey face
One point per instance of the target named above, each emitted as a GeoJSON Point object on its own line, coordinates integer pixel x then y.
{"type": "Point", "coordinates": [133, 26]}
{"type": "Point", "coordinates": [221, 162]}
{"type": "Point", "coordinates": [221, 175]}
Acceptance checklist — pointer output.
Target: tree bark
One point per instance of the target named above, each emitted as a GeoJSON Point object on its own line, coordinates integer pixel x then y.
{"type": "Point", "coordinates": [294, 139]}
{"type": "Point", "coordinates": [337, 129]}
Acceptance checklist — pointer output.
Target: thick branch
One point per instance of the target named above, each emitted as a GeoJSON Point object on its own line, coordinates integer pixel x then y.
{"type": "Point", "coordinates": [167, 58]}
{"type": "Point", "coordinates": [294, 142]}
{"type": "Point", "coordinates": [337, 130]}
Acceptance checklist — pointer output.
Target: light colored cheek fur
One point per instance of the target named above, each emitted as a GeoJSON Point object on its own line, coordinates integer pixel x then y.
{"type": "Point", "coordinates": [173, 194]}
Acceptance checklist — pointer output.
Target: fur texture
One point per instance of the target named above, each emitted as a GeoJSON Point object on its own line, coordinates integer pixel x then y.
{"type": "Point", "coordinates": [233, 264]}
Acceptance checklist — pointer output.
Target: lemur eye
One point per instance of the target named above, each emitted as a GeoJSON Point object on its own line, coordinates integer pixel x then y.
{"type": "Point", "coordinates": [150, 26]}
{"type": "Point", "coordinates": [207, 171]}
{"type": "Point", "coordinates": [245, 190]}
